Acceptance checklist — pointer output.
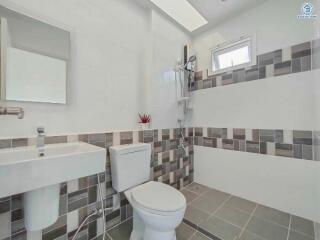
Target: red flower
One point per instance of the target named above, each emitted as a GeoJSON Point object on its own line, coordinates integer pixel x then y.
{"type": "Point", "coordinates": [145, 118]}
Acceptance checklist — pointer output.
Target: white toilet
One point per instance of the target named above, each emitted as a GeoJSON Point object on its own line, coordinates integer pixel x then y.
{"type": "Point", "coordinates": [157, 208]}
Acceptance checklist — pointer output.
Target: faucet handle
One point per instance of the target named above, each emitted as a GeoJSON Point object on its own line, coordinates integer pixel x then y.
{"type": "Point", "coordinates": [40, 130]}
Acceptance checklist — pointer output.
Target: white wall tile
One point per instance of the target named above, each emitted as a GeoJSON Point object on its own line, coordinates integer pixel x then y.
{"type": "Point", "coordinates": [171, 177]}
{"type": "Point", "coordinates": [271, 148]}
{"type": "Point", "coordinates": [286, 54]}
{"type": "Point", "coordinates": [116, 138]}
{"type": "Point", "coordinates": [171, 133]}
{"type": "Point", "coordinates": [73, 185]}
{"type": "Point", "coordinates": [160, 158]}
{"type": "Point", "coordinates": [269, 71]}
{"type": "Point", "coordinates": [248, 134]}
{"type": "Point", "coordinates": [230, 133]}
{"type": "Point", "coordinates": [5, 226]}
{"type": "Point", "coordinates": [171, 155]}
{"type": "Point", "coordinates": [288, 136]}
{"type": "Point", "coordinates": [119, 83]}
{"type": "Point", "coordinates": [99, 226]}
{"type": "Point", "coordinates": [219, 80]}
{"type": "Point", "coordinates": [73, 138]}
{"type": "Point", "coordinates": [205, 132]}
{"type": "Point", "coordinates": [72, 220]}
{"type": "Point", "coordinates": [135, 136]}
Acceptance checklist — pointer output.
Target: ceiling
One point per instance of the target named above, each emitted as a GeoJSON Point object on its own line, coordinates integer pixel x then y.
{"type": "Point", "coordinates": [215, 11]}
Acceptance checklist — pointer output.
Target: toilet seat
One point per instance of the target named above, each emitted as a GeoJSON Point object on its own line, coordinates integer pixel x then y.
{"type": "Point", "coordinates": [158, 198]}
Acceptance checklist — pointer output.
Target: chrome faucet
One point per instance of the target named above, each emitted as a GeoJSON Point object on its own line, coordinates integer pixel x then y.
{"type": "Point", "coordinates": [41, 140]}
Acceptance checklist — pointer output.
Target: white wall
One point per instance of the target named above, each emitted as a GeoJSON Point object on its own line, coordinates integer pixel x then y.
{"type": "Point", "coordinates": [274, 24]}
{"type": "Point", "coordinates": [274, 103]}
{"type": "Point", "coordinates": [317, 118]}
{"type": "Point", "coordinates": [278, 182]}
{"type": "Point", "coordinates": [285, 102]}
{"type": "Point", "coordinates": [109, 74]}
{"type": "Point", "coordinates": [167, 49]}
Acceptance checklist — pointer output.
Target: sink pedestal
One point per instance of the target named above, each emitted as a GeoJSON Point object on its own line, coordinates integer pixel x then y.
{"type": "Point", "coordinates": [41, 207]}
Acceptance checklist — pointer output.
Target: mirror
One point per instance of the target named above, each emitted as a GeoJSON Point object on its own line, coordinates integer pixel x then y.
{"type": "Point", "coordinates": [35, 59]}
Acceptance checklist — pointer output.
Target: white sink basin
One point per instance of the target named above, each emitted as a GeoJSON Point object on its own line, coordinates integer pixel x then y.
{"type": "Point", "coordinates": [22, 170]}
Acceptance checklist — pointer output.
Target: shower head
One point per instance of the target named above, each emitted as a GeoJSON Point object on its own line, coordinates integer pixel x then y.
{"type": "Point", "coordinates": [193, 58]}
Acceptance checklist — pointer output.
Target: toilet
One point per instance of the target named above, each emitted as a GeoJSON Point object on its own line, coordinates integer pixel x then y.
{"type": "Point", "coordinates": [157, 208]}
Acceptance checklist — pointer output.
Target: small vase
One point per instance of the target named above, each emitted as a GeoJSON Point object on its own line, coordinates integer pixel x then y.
{"type": "Point", "coordinates": [145, 126]}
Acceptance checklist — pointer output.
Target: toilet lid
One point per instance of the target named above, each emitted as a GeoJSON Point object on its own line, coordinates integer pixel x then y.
{"type": "Point", "coordinates": [159, 197]}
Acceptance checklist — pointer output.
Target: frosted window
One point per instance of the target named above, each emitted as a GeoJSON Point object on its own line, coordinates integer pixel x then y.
{"type": "Point", "coordinates": [235, 55]}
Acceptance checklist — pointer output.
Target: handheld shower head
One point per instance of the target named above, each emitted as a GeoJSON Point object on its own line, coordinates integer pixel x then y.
{"type": "Point", "coordinates": [193, 58]}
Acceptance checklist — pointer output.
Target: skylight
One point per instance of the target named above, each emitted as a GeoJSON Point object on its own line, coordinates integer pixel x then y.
{"type": "Point", "coordinates": [183, 12]}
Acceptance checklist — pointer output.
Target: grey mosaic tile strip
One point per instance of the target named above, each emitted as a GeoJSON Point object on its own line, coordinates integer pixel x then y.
{"type": "Point", "coordinates": [304, 57]}
{"type": "Point", "coordinates": [287, 143]}
{"type": "Point", "coordinates": [79, 197]}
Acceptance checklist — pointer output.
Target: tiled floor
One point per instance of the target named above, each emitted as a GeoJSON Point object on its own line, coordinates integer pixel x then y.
{"type": "Point", "coordinates": [212, 214]}
{"type": "Point", "coordinates": [223, 216]}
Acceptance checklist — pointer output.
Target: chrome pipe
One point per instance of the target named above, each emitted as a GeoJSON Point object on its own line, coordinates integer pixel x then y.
{"type": "Point", "coordinates": [16, 111]}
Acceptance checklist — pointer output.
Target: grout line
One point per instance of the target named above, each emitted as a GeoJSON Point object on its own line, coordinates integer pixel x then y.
{"type": "Point", "coordinates": [108, 235]}
{"type": "Point", "coordinates": [270, 221]}
{"type": "Point", "coordinates": [221, 205]}
{"type": "Point", "coordinates": [247, 223]}
{"type": "Point", "coordinates": [203, 235]}
{"type": "Point", "coordinates": [185, 189]}
{"type": "Point", "coordinates": [289, 227]}
{"type": "Point", "coordinates": [193, 234]}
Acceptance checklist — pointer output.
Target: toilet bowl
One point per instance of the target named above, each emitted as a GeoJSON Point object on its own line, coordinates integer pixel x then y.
{"type": "Point", "coordinates": [157, 210]}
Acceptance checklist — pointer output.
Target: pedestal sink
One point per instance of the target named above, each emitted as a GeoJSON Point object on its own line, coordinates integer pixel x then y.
{"type": "Point", "coordinates": [22, 170]}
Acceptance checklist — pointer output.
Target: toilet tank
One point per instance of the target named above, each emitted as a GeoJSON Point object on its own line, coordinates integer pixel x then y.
{"type": "Point", "coordinates": [130, 165]}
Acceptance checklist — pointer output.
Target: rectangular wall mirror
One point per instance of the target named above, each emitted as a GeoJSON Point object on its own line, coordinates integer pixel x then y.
{"type": "Point", "coordinates": [35, 59]}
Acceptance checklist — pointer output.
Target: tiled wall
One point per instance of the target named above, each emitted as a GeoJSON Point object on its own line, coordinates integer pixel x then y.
{"type": "Point", "coordinates": [287, 143]}
{"type": "Point", "coordinates": [294, 59]}
{"type": "Point", "coordinates": [80, 197]}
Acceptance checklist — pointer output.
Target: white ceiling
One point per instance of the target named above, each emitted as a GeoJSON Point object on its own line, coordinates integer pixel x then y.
{"type": "Point", "coordinates": [217, 11]}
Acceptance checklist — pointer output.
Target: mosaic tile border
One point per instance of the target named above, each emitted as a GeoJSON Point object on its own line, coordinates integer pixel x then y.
{"type": "Point", "coordinates": [79, 197]}
{"type": "Point", "coordinates": [298, 58]}
{"type": "Point", "coordinates": [276, 142]}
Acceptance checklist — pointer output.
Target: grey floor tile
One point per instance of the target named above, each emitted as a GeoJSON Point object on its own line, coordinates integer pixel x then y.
{"type": "Point", "coordinates": [210, 201]}
{"type": "Point", "coordinates": [190, 196]}
{"type": "Point", "coordinates": [298, 236]}
{"type": "Point", "coordinates": [250, 236]}
{"type": "Point", "coordinates": [302, 225]}
{"type": "Point", "coordinates": [273, 215]}
{"type": "Point", "coordinates": [197, 188]}
{"type": "Point", "coordinates": [241, 204]}
{"type": "Point", "coordinates": [199, 236]}
{"type": "Point", "coordinates": [184, 232]}
{"type": "Point", "coordinates": [122, 231]}
{"type": "Point", "coordinates": [232, 215]}
{"type": "Point", "coordinates": [195, 215]}
{"type": "Point", "coordinates": [221, 229]}
{"type": "Point", "coordinates": [266, 229]}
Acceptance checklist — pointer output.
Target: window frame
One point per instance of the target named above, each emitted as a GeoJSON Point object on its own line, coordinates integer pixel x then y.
{"type": "Point", "coordinates": [230, 46]}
